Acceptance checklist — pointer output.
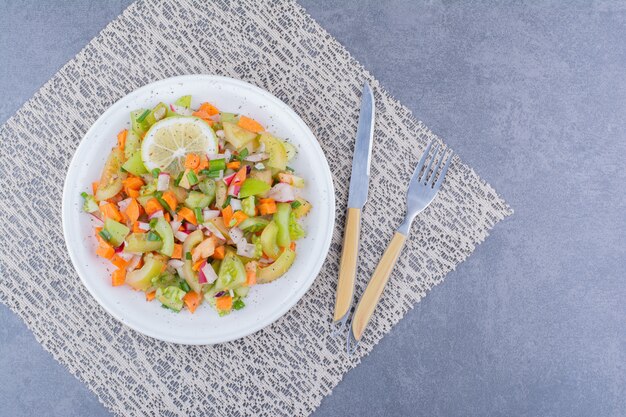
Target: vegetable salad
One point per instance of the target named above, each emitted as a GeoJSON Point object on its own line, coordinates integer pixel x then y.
{"type": "Point", "coordinates": [197, 206]}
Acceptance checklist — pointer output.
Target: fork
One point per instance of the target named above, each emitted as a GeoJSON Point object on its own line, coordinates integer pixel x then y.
{"type": "Point", "coordinates": [421, 192]}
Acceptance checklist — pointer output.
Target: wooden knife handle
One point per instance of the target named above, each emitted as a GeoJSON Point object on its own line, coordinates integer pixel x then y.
{"type": "Point", "coordinates": [375, 288]}
{"type": "Point", "coordinates": [347, 268]}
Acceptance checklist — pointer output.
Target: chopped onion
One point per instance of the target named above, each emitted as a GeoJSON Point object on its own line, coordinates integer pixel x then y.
{"type": "Point", "coordinates": [265, 260]}
{"type": "Point", "coordinates": [181, 236]}
{"type": "Point", "coordinates": [144, 226]}
{"type": "Point", "coordinates": [219, 294]}
{"type": "Point", "coordinates": [245, 249]}
{"type": "Point", "coordinates": [257, 157]}
{"type": "Point", "coordinates": [259, 166]}
{"type": "Point", "coordinates": [208, 214]}
{"type": "Point", "coordinates": [208, 272]}
{"type": "Point", "coordinates": [163, 183]}
{"type": "Point", "coordinates": [220, 134]}
{"type": "Point", "coordinates": [175, 263]}
{"type": "Point", "coordinates": [175, 225]}
{"type": "Point", "coordinates": [236, 234]}
{"type": "Point", "coordinates": [156, 215]}
{"type": "Point", "coordinates": [123, 205]}
{"type": "Point", "coordinates": [127, 256]}
{"type": "Point", "coordinates": [282, 192]}
{"type": "Point", "coordinates": [231, 293]}
{"type": "Point", "coordinates": [261, 148]}
{"type": "Point", "coordinates": [227, 155]}
{"type": "Point", "coordinates": [213, 229]}
{"type": "Point", "coordinates": [190, 227]}
{"type": "Point", "coordinates": [95, 216]}
{"type": "Point", "coordinates": [235, 204]}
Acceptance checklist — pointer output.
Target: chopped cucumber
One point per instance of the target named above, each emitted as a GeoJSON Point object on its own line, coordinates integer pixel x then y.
{"type": "Point", "coordinates": [118, 231]}
{"type": "Point", "coordinates": [253, 186]}
{"type": "Point", "coordinates": [278, 268]}
{"type": "Point", "coordinates": [221, 192]}
{"type": "Point", "coordinates": [229, 117]}
{"type": "Point", "coordinates": [207, 186]}
{"type": "Point", "coordinates": [268, 240]}
{"type": "Point", "coordinates": [158, 112]}
{"type": "Point", "coordinates": [111, 181]}
{"type": "Point", "coordinates": [171, 297]}
{"type": "Point", "coordinates": [137, 121]}
{"type": "Point", "coordinates": [276, 149]}
{"type": "Point", "coordinates": [193, 240]}
{"type": "Point", "coordinates": [184, 101]}
{"type": "Point", "coordinates": [133, 143]}
{"type": "Point", "coordinates": [134, 164]}
{"type": "Point", "coordinates": [264, 175]}
{"type": "Point", "coordinates": [232, 273]}
{"type": "Point", "coordinates": [139, 243]}
{"type": "Point", "coordinates": [164, 230]}
{"type": "Point", "coordinates": [253, 224]}
{"type": "Point", "coordinates": [291, 150]}
{"type": "Point", "coordinates": [141, 279]}
{"type": "Point", "coordinates": [281, 218]}
{"type": "Point", "coordinates": [237, 136]}
{"type": "Point", "coordinates": [248, 206]}
{"type": "Point", "coordinates": [196, 199]}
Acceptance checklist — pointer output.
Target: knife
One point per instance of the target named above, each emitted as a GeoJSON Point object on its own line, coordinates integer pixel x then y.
{"type": "Point", "coordinates": [359, 181]}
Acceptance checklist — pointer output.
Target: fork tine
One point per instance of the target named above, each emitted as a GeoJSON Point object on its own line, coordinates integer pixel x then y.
{"type": "Point", "coordinates": [420, 164]}
{"type": "Point", "coordinates": [443, 172]}
{"type": "Point", "coordinates": [425, 175]}
{"type": "Point", "coordinates": [436, 169]}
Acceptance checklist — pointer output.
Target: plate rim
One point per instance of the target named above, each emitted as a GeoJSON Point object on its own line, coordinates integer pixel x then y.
{"type": "Point", "coordinates": [331, 207]}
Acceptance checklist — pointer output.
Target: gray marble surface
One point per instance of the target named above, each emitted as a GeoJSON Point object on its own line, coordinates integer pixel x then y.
{"type": "Point", "coordinates": [534, 98]}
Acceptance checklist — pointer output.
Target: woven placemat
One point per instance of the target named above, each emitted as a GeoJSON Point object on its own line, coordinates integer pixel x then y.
{"type": "Point", "coordinates": [287, 368]}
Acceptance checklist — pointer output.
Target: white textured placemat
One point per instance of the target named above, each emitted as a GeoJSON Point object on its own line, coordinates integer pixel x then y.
{"type": "Point", "coordinates": [290, 366]}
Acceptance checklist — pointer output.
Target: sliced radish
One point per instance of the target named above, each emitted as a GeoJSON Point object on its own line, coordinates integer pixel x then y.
{"type": "Point", "coordinates": [282, 192]}
{"type": "Point", "coordinates": [208, 214]}
{"type": "Point", "coordinates": [163, 183]}
{"type": "Point", "coordinates": [181, 236]}
{"type": "Point", "coordinates": [235, 203]}
{"type": "Point", "coordinates": [144, 226]}
{"type": "Point", "coordinates": [236, 234]}
{"type": "Point", "coordinates": [257, 157]}
{"type": "Point", "coordinates": [214, 230]}
{"type": "Point", "coordinates": [229, 178]}
{"type": "Point", "coordinates": [175, 263]}
{"type": "Point", "coordinates": [208, 272]}
{"type": "Point", "coordinates": [123, 205]}
{"type": "Point", "coordinates": [183, 111]}
{"type": "Point", "coordinates": [156, 215]}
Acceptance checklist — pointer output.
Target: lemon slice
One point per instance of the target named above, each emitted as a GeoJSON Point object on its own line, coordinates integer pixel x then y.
{"type": "Point", "coordinates": [168, 142]}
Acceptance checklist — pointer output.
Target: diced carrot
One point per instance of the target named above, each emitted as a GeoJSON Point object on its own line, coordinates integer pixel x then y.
{"type": "Point", "coordinates": [136, 228]}
{"type": "Point", "coordinates": [239, 216]}
{"type": "Point", "coordinates": [152, 206]}
{"type": "Point", "coordinates": [208, 108]}
{"type": "Point", "coordinates": [219, 252]}
{"type": "Point", "coordinates": [121, 139]}
{"type": "Point", "coordinates": [240, 177]}
{"type": "Point", "coordinates": [105, 250]}
{"type": "Point", "coordinates": [224, 303]}
{"type": "Point", "coordinates": [204, 163]}
{"type": "Point", "coordinates": [132, 211]}
{"type": "Point", "coordinates": [97, 231]}
{"type": "Point", "coordinates": [178, 251]}
{"type": "Point", "coordinates": [233, 165]}
{"type": "Point", "coordinates": [227, 214]}
{"type": "Point", "coordinates": [133, 182]}
{"type": "Point", "coordinates": [119, 277]}
{"type": "Point", "coordinates": [132, 193]}
{"type": "Point", "coordinates": [94, 187]}
{"type": "Point", "coordinates": [110, 211]}
{"type": "Point", "coordinates": [119, 262]}
{"type": "Point", "coordinates": [267, 208]}
{"type": "Point", "coordinates": [188, 215]}
{"type": "Point", "coordinates": [192, 300]}
{"type": "Point", "coordinates": [170, 199]}
{"type": "Point", "coordinates": [167, 217]}
{"type": "Point", "coordinates": [192, 161]}
{"type": "Point", "coordinates": [150, 295]}
{"type": "Point", "coordinates": [250, 124]}
{"type": "Point", "coordinates": [198, 264]}
{"type": "Point", "coordinates": [292, 246]}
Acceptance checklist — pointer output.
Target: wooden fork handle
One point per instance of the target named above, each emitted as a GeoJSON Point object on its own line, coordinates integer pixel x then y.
{"type": "Point", "coordinates": [375, 288]}
{"type": "Point", "coordinates": [347, 267]}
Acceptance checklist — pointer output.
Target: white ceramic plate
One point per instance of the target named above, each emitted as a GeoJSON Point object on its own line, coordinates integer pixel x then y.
{"type": "Point", "coordinates": [265, 303]}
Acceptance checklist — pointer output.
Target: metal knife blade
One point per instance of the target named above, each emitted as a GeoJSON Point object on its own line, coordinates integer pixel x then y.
{"type": "Point", "coordinates": [359, 179]}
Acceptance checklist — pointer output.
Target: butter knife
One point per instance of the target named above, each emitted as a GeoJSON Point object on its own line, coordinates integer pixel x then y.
{"type": "Point", "coordinates": [359, 182]}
